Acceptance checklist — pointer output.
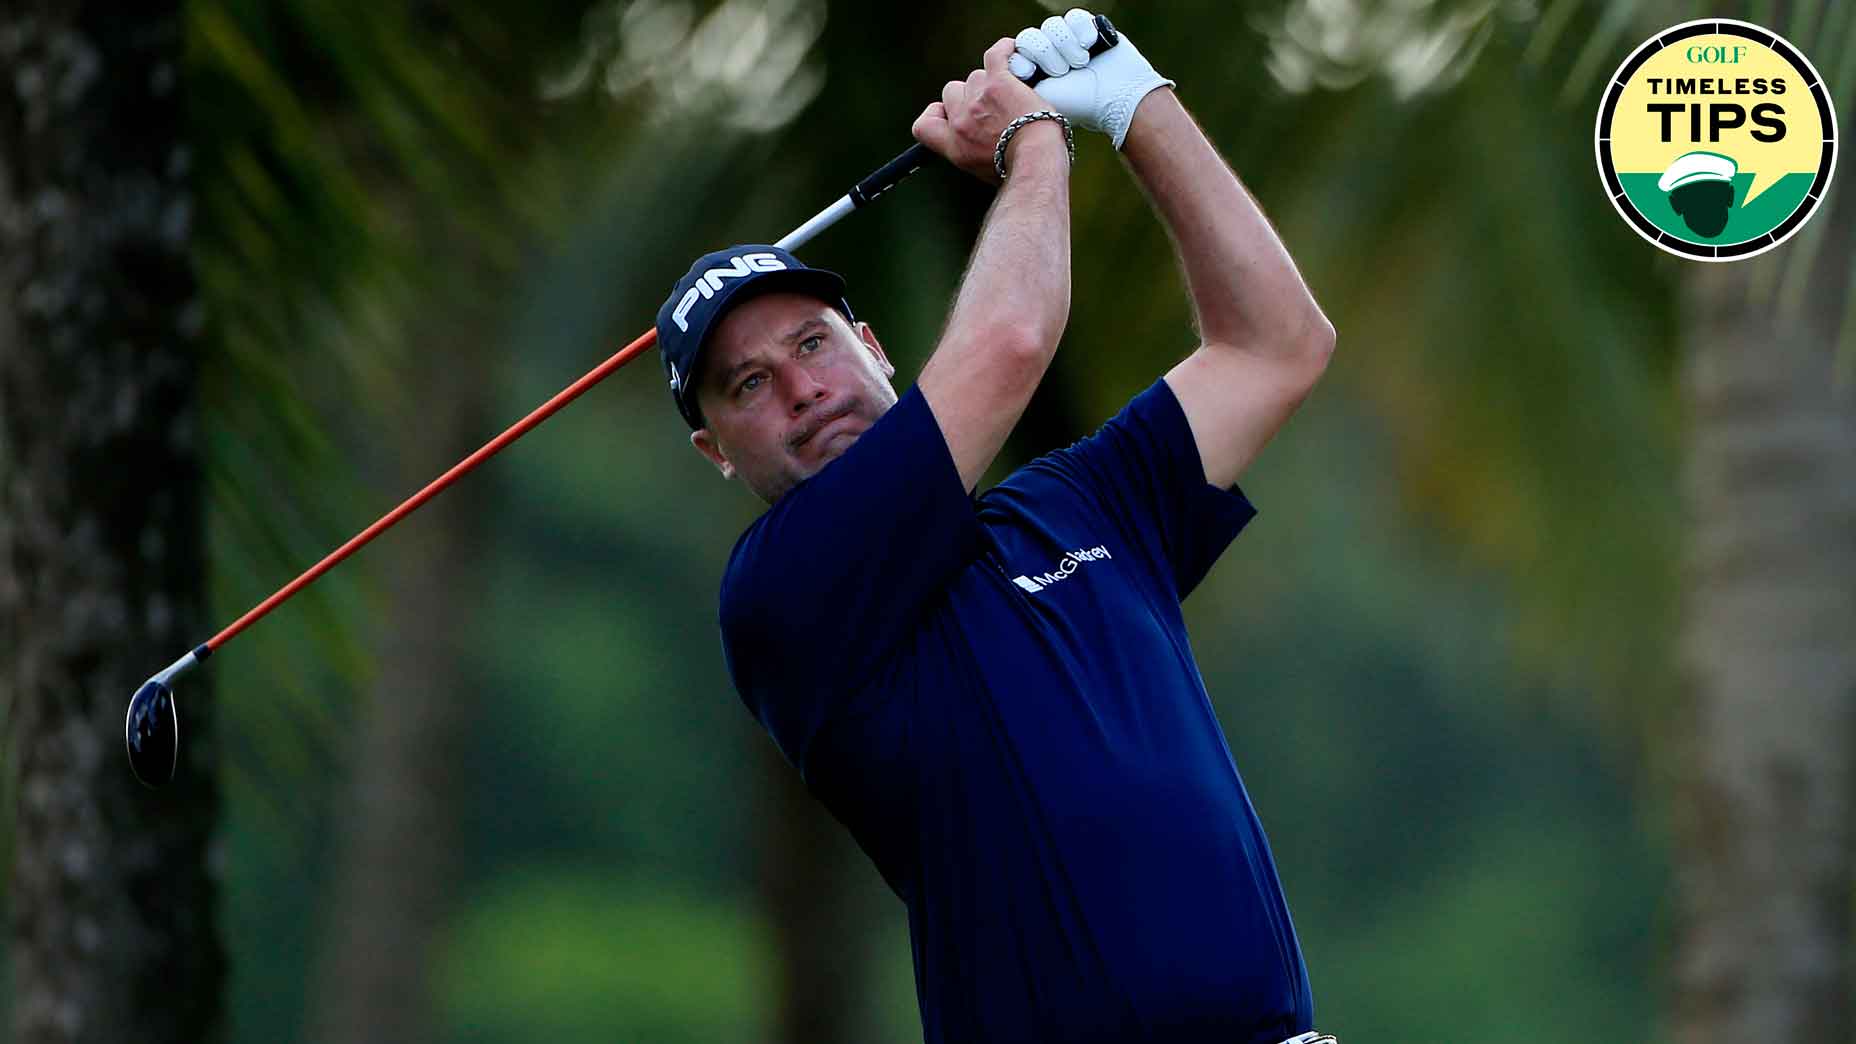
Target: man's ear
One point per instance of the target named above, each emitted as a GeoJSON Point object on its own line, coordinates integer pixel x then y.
{"type": "Point", "coordinates": [868, 337]}
{"type": "Point", "coordinates": [704, 441]}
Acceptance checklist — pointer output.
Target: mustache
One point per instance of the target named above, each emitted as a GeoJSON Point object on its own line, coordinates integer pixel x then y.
{"type": "Point", "coordinates": [819, 419]}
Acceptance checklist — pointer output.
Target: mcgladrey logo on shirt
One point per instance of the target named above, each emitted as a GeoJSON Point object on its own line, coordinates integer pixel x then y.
{"type": "Point", "coordinates": [1069, 563]}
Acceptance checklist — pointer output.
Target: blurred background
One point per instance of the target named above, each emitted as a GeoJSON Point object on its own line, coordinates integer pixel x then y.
{"type": "Point", "coordinates": [1538, 662]}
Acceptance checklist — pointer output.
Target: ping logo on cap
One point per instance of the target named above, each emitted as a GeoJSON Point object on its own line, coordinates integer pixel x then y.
{"type": "Point", "coordinates": [1716, 140]}
{"type": "Point", "coordinates": [710, 282]}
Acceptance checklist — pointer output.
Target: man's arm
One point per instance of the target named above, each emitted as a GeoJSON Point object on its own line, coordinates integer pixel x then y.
{"type": "Point", "coordinates": [1015, 299]}
{"type": "Point", "coordinates": [1265, 341]}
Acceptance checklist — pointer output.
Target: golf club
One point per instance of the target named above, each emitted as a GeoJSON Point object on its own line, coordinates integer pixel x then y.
{"type": "Point", "coordinates": [151, 730]}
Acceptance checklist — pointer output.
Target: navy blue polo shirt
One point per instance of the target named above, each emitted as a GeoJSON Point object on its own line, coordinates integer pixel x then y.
{"type": "Point", "coordinates": [997, 697]}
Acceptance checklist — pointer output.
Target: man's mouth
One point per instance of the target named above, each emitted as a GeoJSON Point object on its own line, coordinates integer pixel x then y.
{"type": "Point", "coordinates": [805, 434]}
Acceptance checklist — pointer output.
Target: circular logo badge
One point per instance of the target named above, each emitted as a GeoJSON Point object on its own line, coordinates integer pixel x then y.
{"type": "Point", "coordinates": [1716, 140]}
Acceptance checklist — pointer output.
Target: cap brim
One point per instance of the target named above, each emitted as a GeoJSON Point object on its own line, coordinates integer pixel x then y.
{"type": "Point", "coordinates": [1689, 179]}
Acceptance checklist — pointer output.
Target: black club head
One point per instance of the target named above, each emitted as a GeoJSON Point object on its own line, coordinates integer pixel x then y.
{"type": "Point", "coordinates": [152, 734]}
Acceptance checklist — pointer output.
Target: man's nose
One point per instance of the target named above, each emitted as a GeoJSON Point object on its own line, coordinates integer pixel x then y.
{"type": "Point", "coordinates": [805, 389]}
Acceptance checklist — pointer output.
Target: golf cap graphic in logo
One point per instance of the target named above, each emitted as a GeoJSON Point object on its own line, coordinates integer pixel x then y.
{"type": "Point", "coordinates": [1716, 140]}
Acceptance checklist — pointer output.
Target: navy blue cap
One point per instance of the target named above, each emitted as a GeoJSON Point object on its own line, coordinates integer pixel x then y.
{"type": "Point", "coordinates": [715, 283]}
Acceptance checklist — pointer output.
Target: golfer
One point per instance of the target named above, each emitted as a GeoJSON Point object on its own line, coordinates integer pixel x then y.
{"type": "Point", "coordinates": [994, 691]}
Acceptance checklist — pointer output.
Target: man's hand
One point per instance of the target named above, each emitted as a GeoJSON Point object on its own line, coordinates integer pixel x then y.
{"type": "Point", "coordinates": [964, 126]}
{"type": "Point", "coordinates": [1097, 93]}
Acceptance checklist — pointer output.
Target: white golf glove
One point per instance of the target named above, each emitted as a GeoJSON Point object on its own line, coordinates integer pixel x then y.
{"type": "Point", "coordinates": [1096, 93]}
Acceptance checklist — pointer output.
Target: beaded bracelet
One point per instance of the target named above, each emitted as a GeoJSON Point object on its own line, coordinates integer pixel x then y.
{"type": "Point", "coordinates": [1005, 136]}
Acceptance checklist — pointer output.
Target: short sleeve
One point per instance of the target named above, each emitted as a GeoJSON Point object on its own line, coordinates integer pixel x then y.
{"type": "Point", "coordinates": [1144, 470]}
{"type": "Point", "coordinates": [826, 584]}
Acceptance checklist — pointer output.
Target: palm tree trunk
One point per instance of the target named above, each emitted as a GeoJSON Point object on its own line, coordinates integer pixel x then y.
{"type": "Point", "coordinates": [1765, 820]}
{"type": "Point", "coordinates": [819, 942]}
{"type": "Point", "coordinates": [394, 878]}
{"type": "Point", "coordinates": [112, 903]}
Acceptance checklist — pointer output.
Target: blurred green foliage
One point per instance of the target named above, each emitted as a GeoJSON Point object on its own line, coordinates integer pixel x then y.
{"type": "Point", "coordinates": [567, 954]}
{"type": "Point", "coordinates": [1440, 653]}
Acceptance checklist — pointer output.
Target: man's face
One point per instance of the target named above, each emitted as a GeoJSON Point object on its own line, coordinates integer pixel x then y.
{"type": "Point", "coordinates": [787, 384]}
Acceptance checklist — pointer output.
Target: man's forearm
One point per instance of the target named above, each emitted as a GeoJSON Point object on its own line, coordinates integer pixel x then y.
{"type": "Point", "coordinates": [1017, 284]}
{"type": "Point", "coordinates": [1011, 309]}
{"type": "Point", "coordinates": [1244, 286]}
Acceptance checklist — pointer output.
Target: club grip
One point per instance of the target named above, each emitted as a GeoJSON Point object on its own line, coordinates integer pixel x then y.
{"type": "Point", "coordinates": [913, 158]}
{"type": "Point", "coordinates": [890, 174]}
{"type": "Point", "coordinates": [1106, 37]}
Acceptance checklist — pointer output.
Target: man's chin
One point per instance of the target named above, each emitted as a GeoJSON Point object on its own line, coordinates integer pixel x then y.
{"type": "Point", "coordinates": [839, 441]}
{"type": "Point", "coordinates": [820, 450]}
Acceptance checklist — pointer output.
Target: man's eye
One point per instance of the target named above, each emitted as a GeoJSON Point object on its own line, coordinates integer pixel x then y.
{"type": "Point", "coordinates": [750, 384]}
{"type": "Point", "coordinates": [811, 344]}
